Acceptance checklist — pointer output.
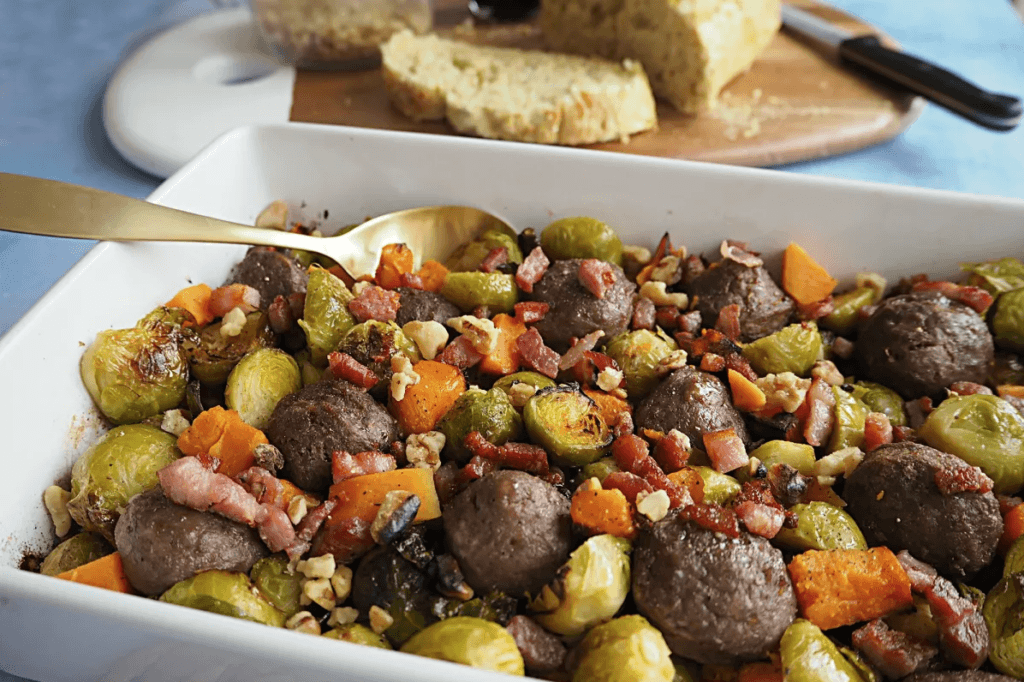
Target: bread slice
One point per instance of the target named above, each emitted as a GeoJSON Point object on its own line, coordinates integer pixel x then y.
{"type": "Point", "coordinates": [511, 94]}
{"type": "Point", "coordinates": [690, 48]}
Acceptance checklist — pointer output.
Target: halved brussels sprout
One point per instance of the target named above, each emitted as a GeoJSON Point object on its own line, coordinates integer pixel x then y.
{"type": "Point", "coordinates": [1004, 614]}
{"type": "Point", "coordinates": [212, 355]}
{"type": "Point", "coordinates": [469, 290]}
{"type": "Point", "coordinates": [121, 465]}
{"type": "Point", "coordinates": [792, 349]}
{"type": "Point", "coordinates": [588, 590]}
{"type": "Point", "coordinates": [534, 379]}
{"type": "Point", "coordinates": [489, 412]}
{"type": "Point", "coordinates": [599, 469]}
{"type": "Point", "coordinates": [998, 276]}
{"type": "Point", "coordinates": [279, 587]}
{"type": "Point", "coordinates": [843, 318]}
{"type": "Point", "coordinates": [581, 237]}
{"type": "Point", "coordinates": [226, 593]}
{"type": "Point", "coordinates": [358, 634]}
{"type": "Point", "coordinates": [75, 551]}
{"type": "Point", "coordinates": [638, 353]}
{"type": "Point", "coordinates": [470, 255]}
{"type": "Point", "coordinates": [627, 649]}
{"type": "Point", "coordinates": [258, 382]}
{"type": "Point", "coordinates": [881, 399]}
{"type": "Point", "coordinates": [821, 526]}
{"type": "Point", "coordinates": [800, 456]}
{"type": "Point", "coordinates": [373, 343]}
{"type": "Point", "coordinates": [1008, 320]}
{"type": "Point", "coordinates": [470, 641]}
{"type": "Point", "coordinates": [919, 623]}
{"type": "Point", "coordinates": [325, 315]}
{"type": "Point", "coordinates": [809, 656]}
{"type": "Point", "coordinates": [850, 414]}
{"type": "Point", "coordinates": [719, 488]}
{"type": "Point", "coordinates": [567, 424]}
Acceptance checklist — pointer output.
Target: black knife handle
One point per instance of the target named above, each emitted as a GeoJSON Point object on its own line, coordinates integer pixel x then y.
{"type": "Point", "coordinates": [989, 109]}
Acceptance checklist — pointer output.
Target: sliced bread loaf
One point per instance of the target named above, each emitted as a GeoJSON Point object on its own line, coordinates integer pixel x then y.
{"type": "Point", "coordinates": [511, 94]}
{"type": "Point", "coordinates": [690, 48]}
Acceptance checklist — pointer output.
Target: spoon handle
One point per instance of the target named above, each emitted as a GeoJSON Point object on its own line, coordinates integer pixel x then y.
{"type": "Point", "coordinates": [58, 209]}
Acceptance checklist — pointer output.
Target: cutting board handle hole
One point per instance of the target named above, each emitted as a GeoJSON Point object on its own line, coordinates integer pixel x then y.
{"type": "Point", "coordinates": [232, 70]}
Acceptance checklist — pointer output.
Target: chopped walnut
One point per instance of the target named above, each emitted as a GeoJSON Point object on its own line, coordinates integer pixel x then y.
{"type": "Point", "coordinates": [653, 505]}
{"type": "Point", "coordinates": [671, 362]}
{"type": "Point", "coordinates": [520, 392]}
{"type": "Point", "coordinates": [592, 483]}
{"type": "Point", "coordinates": [635, 257]}
{"type": "Point", "coordinates": [430, 337]}
{"type": "Point", "coordinates": [274, 216]}
{"type": "Point", "coordinates": [423, 450]}
{"type": "Point", "coordinates": [341, 583]}
{"type": "Point", "coordinates": [839, 462]}
{"type": "Point", "coordinates": [318, 591]}
{"type": "Point", "coordinates": [655, 292]}
{"type": "Point", "coordinates": [317, 567]}
{"type": "Point", "coordinates": [403, 376]}
{"type": "Point", "coordinates": [297, 509]}
{"type": "Point", "coordinates": [668, 270]}
{"type": "Point", "coordinates": [480, 331]}
{"type": "Point", "coordinates": [785, 390]}
{"type": "Point", "coordinates": [827, 371]}
{"type": "Point", "coordinates": [609, 379]}
{"type": "Point", "coordinates": [232, 323]}
{"type": "Point", "coordinates": [360, 286]}
{"type": "Point", "coordinates": [343, 615]}
{"type": "Point", "coordinates": [303, 621]}
{"type": "Point", "coordinates": [174, 422]}
{"type": "Point", "coordinates": [56, 500]}
{"type": "Point", "coordinates": [380, 620]}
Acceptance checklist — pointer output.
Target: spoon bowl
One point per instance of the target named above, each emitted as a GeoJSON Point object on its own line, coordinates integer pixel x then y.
{"type": "Point", "coordinates": [59, 209]}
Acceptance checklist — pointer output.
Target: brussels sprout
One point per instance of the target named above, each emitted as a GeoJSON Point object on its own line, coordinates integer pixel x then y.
{"type": "Point", "coordinates": [581, 237]}
{"type": "Point", "coordinates": [588, 590]}
{"type": "Point", "coordinates": [850, 414]}
{"type": "Point", "coordinates": [984, 431]}
{"type": "Point", "coordinates": [567, 424]}
{"type": "Point", "coordinates": [627, 649]}
{"type": "Point", "coordinates": [809, 656]}
{"type": "Point", "coordinates": [310, 373]}
{"type": "Point", "coordinates": [489, 412]}
{"type": "Point", "coordinates": [374, 343]}
{"type": "Point", "coordinates": [843, 318]}
{"type": "Point", "coordinates": [136, 373]}
{"type": "Point", "coordinates": [358, 634]}
{"type": "Point", "coordinates": [469, 256]}
{"type": "Point", "coordinates": [1004, 614]}
{"type": "Point", "coordinates": [919, 623]}
{"type": "Point", "coordinates": [998, 276]}
{"type": "Point", "coordinates": [638, 353]}
{"type": "Point", "coordinates": [1008, 320]}
{"type": "Point", "coordinates": [1013, 562]}
{"type": "Point", "coordinates": [279, 587]}
{"type": "Point", "coordinates": [718, 488]}
{"type": "Point", "coordinates": [258, 382]}
{"type": "Point", "coordinates": [77, 550]}
{"type": "Point", "coordinates": [881, 399]}
{"type": "Point", "coordinates": [535, 379]}
{"type": "Point", "coordinates": [468, 290]}
{"type": "Point", "coordinates": [793, 349]}
{"type": "Point", "coordinates": [821, 526]}
{"type": "Point", "coordinates": [226, 593]}
{"type": "Point", "coordinates": [599, 469]}
{"type": "Point", "coordinates": [121, 465]}
{"type": "Point", "coordinates": [325, 315]}
{"type": "Point", "coordinates": [212, 356]}
{"type": "Point", "coordinates": [470, 641]}
{"type": "Point", "coordinates": [800, 456]}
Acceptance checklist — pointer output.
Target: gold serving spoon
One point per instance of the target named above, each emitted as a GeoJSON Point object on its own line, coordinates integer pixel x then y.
{"type": "Point", "coordinates": [58, 209]}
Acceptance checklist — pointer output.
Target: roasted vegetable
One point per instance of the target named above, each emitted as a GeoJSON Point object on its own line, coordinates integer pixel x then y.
{"type": "Point", "coordinates": [568, 425]}
{"type": "Point", "coordinates": [426, 401]}
{"type": "Point", "coordinates": [469, 290]}
{"type": "Point", "coordinates": [998, 276]}
{"type": "Point", "coordinates": [75, 551]}
{"type": "Point", "coordinates": [276, 584]}
{"type": "Point", "coordinates": [821, 525]}
{"type": "Point", "coordinates": [1004, 614]}
{"type": "Point", "coordinates": [325, 315]}
{"type": "Point", "coordinates": [792, 349]}
{"type": "Point", "coordinates": [718, 488]}
{"type": "Point", "coordinates": [1008, 320]}
{"type": "Point", "coordinates": [470, 255]}
{"type": "Point", "coordinates": [800, 456]}
{"type": "Point", "coordinates": [358, 634]}
{"type": "Point", "coordinates": [226, 593]}
{"type": "Point", "coordinates": [627, 649]}
{"type": "Point", "coordinates": [881, 399]}
{"type": "Point", "coordinates": [637, 354]}
{"type": "Point", "coordinates": [809, 656]}
{"type": "Point", "coordinates": [106, 572]}
{"type": "Point", "coordinates": [212, 355]}
{"type": "Point", "coordinates": [470, 641]}
{"type": "Point", "coordinates": [581, 237]}
{"type": "Point", "coordinates": [258, 382]}
{"type": "Point", "coordinates": [843, 318]}
{"type": "Point", "coordinates": [850, 414]}
{"type": "Point", "coordinates": [489, 412]}
{"type": "Point", "coordinates": [373, 344]}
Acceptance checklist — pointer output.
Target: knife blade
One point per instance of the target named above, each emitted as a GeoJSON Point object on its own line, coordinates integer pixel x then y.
{"type": "Point", "coordinates": [988, 109]}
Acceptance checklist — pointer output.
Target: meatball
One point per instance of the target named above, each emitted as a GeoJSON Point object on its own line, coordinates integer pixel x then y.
{"type": "Point", "coordinates": [894, 499]}
{"type": "Point", "coordinates": [427, 306]}
{"type": "Point", "coordinates": [692, 401]}
{"type": "Point", "coordinates": [716, 599]}
{"type": "Point", "coordinates": [921, 343]}
{"type": "Point", "coordinates": [577, 312]}
{"type": "Point", "coordinates": [310, 424]}
{"type": "Point", "coordinates": [162, 543]}
{"type": "Point", "coordinates": [764, 307]}
{"type": "Point", "coordinates": [273, 273]}
{"type": "Point", "coordinates": [509, 531]}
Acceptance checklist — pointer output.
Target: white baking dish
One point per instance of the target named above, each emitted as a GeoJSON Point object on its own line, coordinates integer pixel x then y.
{"type": "Point", "coordinates": [55, 631]}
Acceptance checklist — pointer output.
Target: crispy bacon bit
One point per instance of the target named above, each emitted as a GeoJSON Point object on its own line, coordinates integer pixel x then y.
{"type": "Point", "coordinates": [264, 486]}
{"type": "Point", "coordinates": [690, 322]}
{"type": "Point", "coordinates": [902, 434]}
{"type": "Point", "coordinates": [666, 317]}
{"type": "Point", "coordinates": [821, 414]}
{"type": "Point", "coordinates": [738, 363]}
{"type": "Point", "coordinates": [344, 366]}
{"type": "Point", "coordinates": [536, 355]}
{"type": "Point", "coordinates": [725, 450]}
{"type": "Point", "coordinates": [308, 526]}
{"type": "Point", "coordinates": [922, 576]}
{"type": "Point", "coordinates": [593, 364]}
{"type": "Point", "coordinates": [532, 459]}
{"type": "Point", "coordinates": [345, 466]}
{"type": "Point", "coordinates": [842, 348]}
{"type": "Point", "coordinates": [738, 251]}
{"type": "Point", "coordinates": [495, 258]}
{"type": "Point", "coordinates": [713, 517]}
{"type": "Point", "coordinates": [644, 314]}
{"type": "Point", "coordinates": [816, 310]}
{"type": "Point", "coordinates": [579, 349]}
{"type": "Point", "coordinates": [596, 276]}
{"type": "Point", "coordinates": [877, 431]}
{"type": "Point", "coordinates": [672, 451]}
{"type": "Point", "coordinates": [410, 280]}
{"type": "Point", "coordinates": [728, 321]}
{"type": "Point", "coordinates": [628, 484]}
{"type": "Point", "coordinates": [532, 269]}
{"type": "Point", "coordinates": [460, 353]}
{"type": "Point", "coordinates": [279, 314]}
{"type": "Point", "coordinates": [896, 654]}
{"type": "Point", "coordinates": [375, 303]}
{"type": "Point", "coordinates": [962, 478]}
{"type": "Point", "coordinates": [969, 388]}
{"type": "Point", "coordinates": [476, 467]}
{"type": "Point", "coordinates": [710, 341]}
{"type": "Point", "coordinates": [712, 362]}
{"type": "Point", "coordinates": [529, 312]}
{"type": "Point", "coordinates": [225, 299]}
{"type": "Point", "coordinates": [973, 297]}
{"type": "Point", "coordinates": [760, 519]}
{"type": "Point", "coordinates": [631, 454]}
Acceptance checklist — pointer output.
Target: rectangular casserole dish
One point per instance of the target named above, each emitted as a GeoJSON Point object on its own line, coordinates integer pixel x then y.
{"type": "Point", "coordinates": [58, 631]}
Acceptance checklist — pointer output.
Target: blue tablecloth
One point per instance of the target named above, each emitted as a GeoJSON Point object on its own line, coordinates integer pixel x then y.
{"type": "Point", "coordinates": [57, 55]}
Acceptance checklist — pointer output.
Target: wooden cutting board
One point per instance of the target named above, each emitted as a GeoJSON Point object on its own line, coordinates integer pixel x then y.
{"type": "Point", "coordinates": [794, 104]}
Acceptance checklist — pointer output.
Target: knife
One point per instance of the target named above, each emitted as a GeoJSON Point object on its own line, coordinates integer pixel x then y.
{"type": "Point", "coordinates": [988, 109]}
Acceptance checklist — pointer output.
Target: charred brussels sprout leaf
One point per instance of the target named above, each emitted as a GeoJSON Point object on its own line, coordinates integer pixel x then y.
{"type": "Point", "coordinates": [1004, 614]}
{"type": "Point", "coordinates": [850, 414]}
{"type": "Point", "coordinates": [325, 315]}
{"type": "Point", "coordinates": [881, 399]}
{"type": "Point", "coordinates": [567, 424]}
{"type": "Point", "coordinates": [998, 276]}
{"type": "Point", "coordinates": [123, 464]}
{"type": "Point", "coordinates": [719, 488]}
{"type": "Point", "coordinates": [581, 237]}
{"type": "Point", "coordinates": [793, 349]}
{"type": "Point", "coordinates": [469, 290]}
{"type": "Point", "coordinates": [821, 526]}
{"type": "Point", "coordinates": [212, 356]}
{"type": "Point", "coordinates": [373, 343]}
{"type": "Point", "coordinates": [470, 641]}
{"type": "Point", "coordinates": [75, 551]}
{"type": "Point", "coordinates": [638, 353]}
{"type": "Point", "coordinates": [489, 412]}
{"type": "Point", "coordinates": [358, 634]}
{"type": "Point", "coordinates": [258, 382]}
{"type": "Point", "coordinates": [226, 593]}
{"type": "Point", "coordinates": [809, 656]}
{"type": "Point", "coordinates": [625, 649]}
{"type": "Point", "coordinates": [843, 318]}
{"type": "Point", "coordinates": [470, 255]}
{"type": "Point", "coordinates": [279, 587]}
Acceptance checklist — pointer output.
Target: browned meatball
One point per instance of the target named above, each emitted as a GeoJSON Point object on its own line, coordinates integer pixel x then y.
{"type": "Point", "coordinates": [273, 273]}
{"type": "Point", "coordinates": [919, 344]}
{"type": "Point", "coordinates": [162, 543]}
{"type": "Point", "coordinates": [310, 424]}
{"type": "Point", "coordinates": [715, 599]}
{"type": "Point", "coordinates": [692, 401]}
{"type": "Point", "coordinates": [575, 311]}
{"type": "Point", "coordinates": [764, 307]}
{"type": "Point", "coordinates": [509, 531]}
{"type": "Point", "coordinates": [894, 499]}
{"type": "Point", "coordinates": [417, 304]}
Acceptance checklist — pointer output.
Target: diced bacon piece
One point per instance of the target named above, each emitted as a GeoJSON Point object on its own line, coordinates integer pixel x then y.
{"type": "Point", "coordinates": [579, 348]}
{"type": "Point", "coordinates": [532, 269]}
{"type": "Point", "coordinates": [529, 312]}
{"type": "Point", "coordinates": [738, 251]}
{"type": "Point", "coordinates": [902, 434]}
{"type": "Point", "coordinates": [532, 459]}
{"type": "Point", "coordinates": [596, 276]}
{"type": "Point", "coordinates": [973, 297]}
{"type": "Point", "coordinates": [877, 431]}
{"type": "Point", "coordinates": [279, 314]}
{"type": "Point", "coordinates": [713, 517]}
{"type": "Point", "coordinates": [410, 280]}
{"type": "Point", "coordinates": [375, 303]}
{"type": "Point", "coordinates": [624, 426]}
{"type": "Point", "coordinates": [495, 258]}
{"type": "Point", "coordinates": [644, 314]}
{"type": "Point", "coordinates": [536, 355]}
{"type": "Point", "coordinates": [821, 415]}
{"type": "Point", "coordinates": [922, 576]}
{"type": "Point", "coordinates": [628, 484]}
{"type": "Point", "coordinates": [476, 467]}
{"type": "Point", "coordinates": [895, 654]}
{"type": "Point", "coordinates": [712, 362]}
{"type": "Point", "coordinates": [344, 366]}
{"type": "Point", "coordinates": [725, 450]}
{"type": "Point", "coordinates": [345, 465]}
{"type": "Point", "coordinates": [969, 388]}
{"type": "Point", "coordinates": [264, 486]}
{"type": "Point", "coordinates": [728, 321]}
{"type": "Point", "coordinates": [689, 322]}
{"type": "Point", "coordinates": [962, 478]}
{"type": "Point", "coordinates": [666, 317]}
{"type": "Point", "coordinates": [225, 299]}
{"type": "Point", "coordinates": [631, 453]}
{"type": "Point", "coordinates": [760, 519]}
{"type": "Point", "coordinates": [460, 353]}
{"type": "Point", "coordinates": [308, 526]}
{"type": "Point", "coordinates": [672, 451]}
{"type": "Point", "coordinates": [297, 302]}
{"type": "Point", "coordinates": [275, 528]}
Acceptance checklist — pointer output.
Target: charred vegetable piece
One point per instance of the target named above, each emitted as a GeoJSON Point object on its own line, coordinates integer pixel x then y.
{"type": "Point", "coordinates": [809, 656]}
{"type": "Point", "coordinates": [850, 414]}
{"type": "Point", "coordinates": [325, 315]}
{"type": "Point", "coordinates": [843, 318]}
{"type": "Point", "coordinates": [139, 372]}
{"type": "Point", "coordinates": [568, 425]}
{"type": "Point", "coordinates": [625, 649]}
{"type": "Point", "coordinates": [800, 456]}
{"type": "Point", "coordinates": [638, 353]}
{"type": "Point", "coordinates": [470, 255]}
{"type": "Point", "coordinates": [822, 526]}
{"type": "Point", "coordinates": [1008, 320]}
{"type": "Point", "coordinates": [998, 276]}
{"type": "Point", "coordinates": [718, 488]}
{"type": "Point", "coordinates": [258, 382]}
{"type": "Point", "coordinates": [792, 349]}
{"type": "Point", "coordinates": [75, 551]}
{"type": "Point", "coordinates": [373, 343]}
{"type": "Point", "coordinates": [212, 356]}
{"type": "Point", "coordinates": [123, 464]}
{"type": "Point", "coordinates": [1004, 614]}
{"type": "Point", "coordinates": [226, 593]}
{"type": "Point", "coordinates": [589, 589]}
{"type": "Point", "coordinates": [279, 587]}
{"type": "Point", "coordinates": [469, 290]}
{"type": "Point", "coordinates": [581, 237]}
{"type": "Point", "coordinates": [358, 634]}
{"type": "Point", "coordinates": [470, 641]}
{"type": "Point", "coordinates": [881, 399]}
{"type": "Point", "coordinates": [489, 412]}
